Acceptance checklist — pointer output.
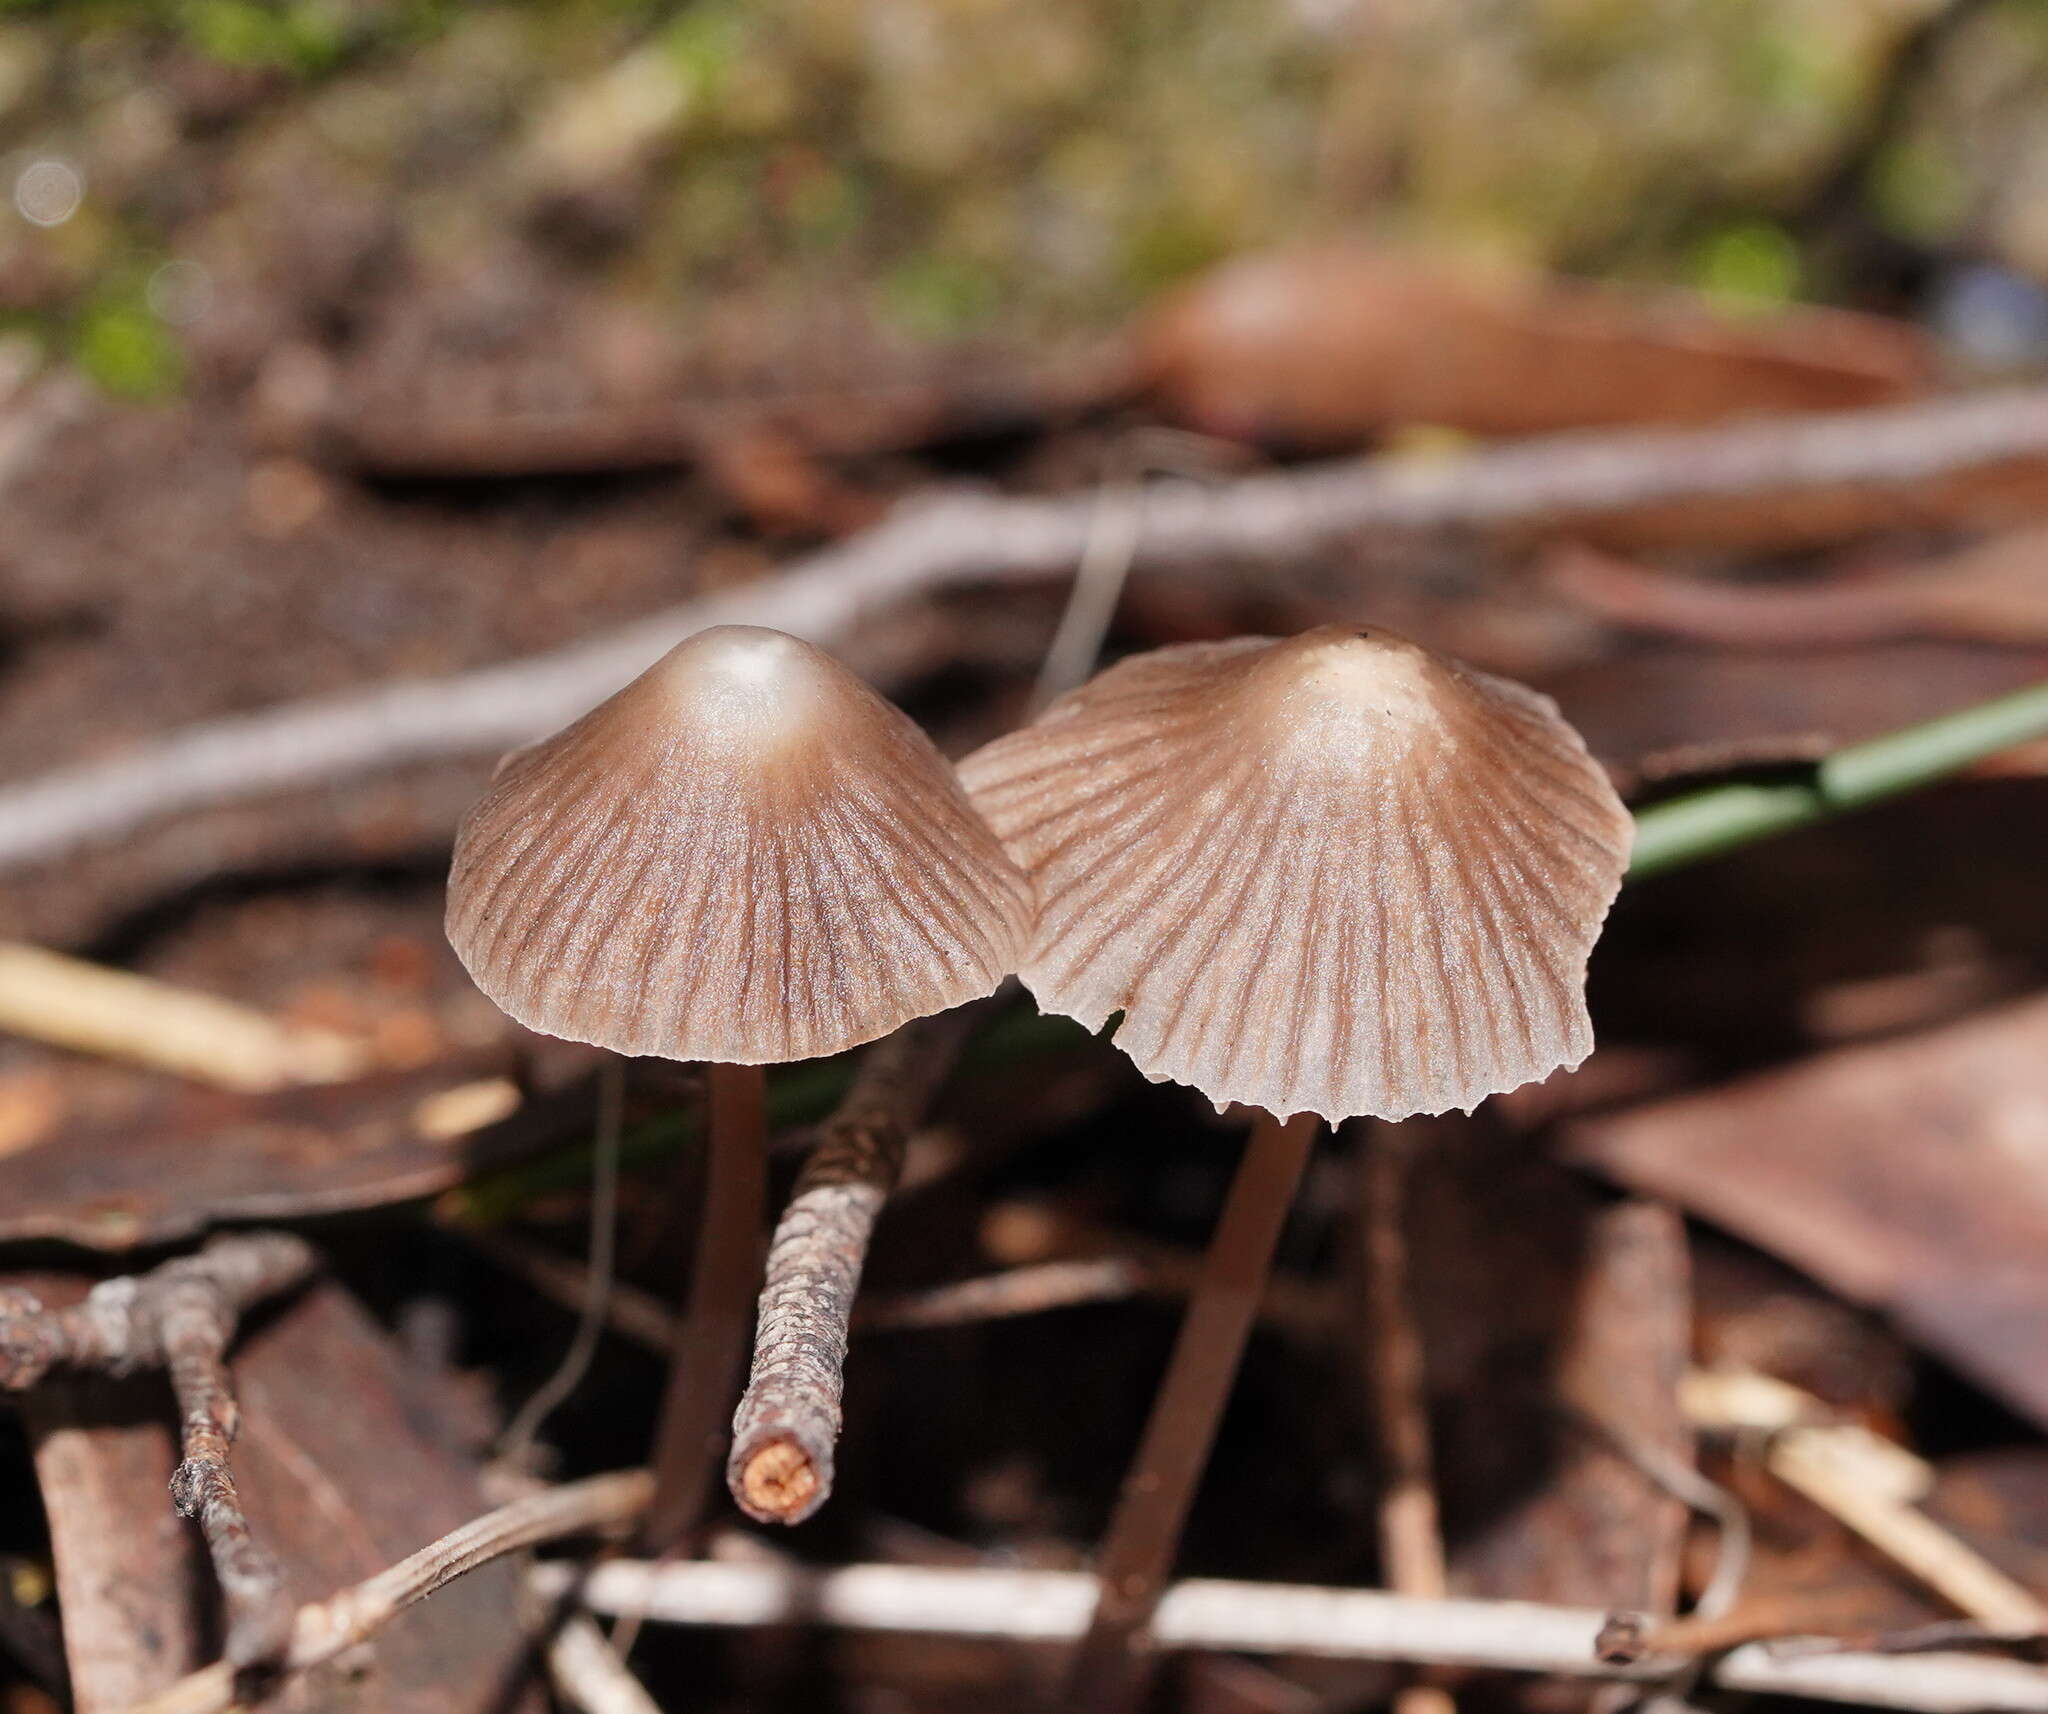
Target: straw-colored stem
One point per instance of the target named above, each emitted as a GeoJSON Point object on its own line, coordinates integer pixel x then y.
{"type": "Point", "coordinates": [704, 1372]}
{"type": "Point", "coordinates": [1720, 818]}
{"type": "Point", "coordinates": [1144, 1533]}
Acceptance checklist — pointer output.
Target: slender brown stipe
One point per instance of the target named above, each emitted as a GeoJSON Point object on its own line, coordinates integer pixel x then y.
{"type": "Point", "coordinates": [713, 1332]}
{"type": "Point", "coordinates": [1145, 1531]}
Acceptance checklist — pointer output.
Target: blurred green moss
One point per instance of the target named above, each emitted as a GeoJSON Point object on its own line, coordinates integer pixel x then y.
{"type": "Point", "coordinates": [121, 345]}
{"type": "Point", "coordinates": [1040, 165]}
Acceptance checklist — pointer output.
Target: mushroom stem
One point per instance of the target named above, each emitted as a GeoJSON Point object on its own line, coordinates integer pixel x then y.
{"type": "Point", "coordinates": [780, 1469]}
{"type": "Point", "coordinates": [1138, 1552]}
{"type": "Point", "coordinates": [713, 1333]}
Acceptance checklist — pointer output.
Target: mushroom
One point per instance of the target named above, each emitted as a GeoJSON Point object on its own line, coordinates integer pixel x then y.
{"type": "Point", "coordinates": [1333, 876]}
{"type": "Point", "coordinates": [744, 857]}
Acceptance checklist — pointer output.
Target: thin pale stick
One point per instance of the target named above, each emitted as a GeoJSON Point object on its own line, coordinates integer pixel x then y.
{"type": "Point", "coordinates": [1271, 1618]}
{"type": "Point", "coordinates": [1098, 587]}
{"type": "Point", "coordinates": [690, 1439]}
{"type": "Point", "coordinates": [1144, 1532]}
{"type": "Point", "coordinates": [589, 1675]}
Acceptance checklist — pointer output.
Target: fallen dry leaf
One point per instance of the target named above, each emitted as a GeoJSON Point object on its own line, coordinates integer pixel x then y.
{"type": "Point", "coordinates": [183, 1159]}
{"type": "Point", "coordinates": [1910, 1174]}
{"type": "Point", "coordinates": [1322, 347]}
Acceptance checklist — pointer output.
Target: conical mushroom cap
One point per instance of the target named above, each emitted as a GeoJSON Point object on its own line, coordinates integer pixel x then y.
{"type": "Point", "coordinates": [746, 856]}
{"type": "Point", "coordinates": [1336, 874]}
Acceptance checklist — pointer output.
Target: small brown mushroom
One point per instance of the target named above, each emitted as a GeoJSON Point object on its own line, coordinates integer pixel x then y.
{"type": "Point", "coordinates": [744, 857]}
{"type": "Point", "coordinates": [1335, 875]}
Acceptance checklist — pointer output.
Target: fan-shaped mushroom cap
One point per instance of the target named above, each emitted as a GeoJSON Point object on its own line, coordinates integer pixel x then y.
{"type": "Point", "coordinates": [746, 856]}
{"type": "Point", "coordinates": [1336, 874]}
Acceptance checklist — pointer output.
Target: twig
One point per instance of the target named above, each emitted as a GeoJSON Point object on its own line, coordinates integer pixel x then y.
{"type": "Point", "coordinates": [324, 1629]}
{"type": "Point", "coordinates": [780, 1469]}
{"type": "Point", "coordinates": [181, 1317]}
{"type": "Point", "coordinates": [588, 1673]}
{"type": "Point", "coordinates": [968, 537]}
{"type": "Point", "coordinates": [1098, 585]}
{"type": "Point", "coordinates": [1029, 1290]}
{"type": "Point", "coordinates": [1827, 1465]}
{"type": "Point", "coordinates": [1867, 1483]}
{"type": "Point", "coordinates": [89, 1008]}
{"type": "Point", "coordinates": [1268, 1618]}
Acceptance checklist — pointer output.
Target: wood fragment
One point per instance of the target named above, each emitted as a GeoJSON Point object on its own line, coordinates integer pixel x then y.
{"type": "Point", "coordinates": [780, 1468]}
{"type": "Point", "coordinates": [1872, 1485]}
{"type": "Point", "coordinates": [1270, 1618]}
{"type": "Point", "coordinates": [180, 1317]}
{"type": "Point", "coordinates": [1902, 1192]}
{"type": "Point", "coordinates": [70, 1003]}
{"type": "Point", "coordinates": [958, 538]}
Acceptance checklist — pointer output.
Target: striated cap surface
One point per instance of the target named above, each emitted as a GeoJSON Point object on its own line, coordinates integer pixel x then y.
{"type": "Point", "coordinates": [1334, 874]}
{"type": "Point", "coordinates": [746, 855]}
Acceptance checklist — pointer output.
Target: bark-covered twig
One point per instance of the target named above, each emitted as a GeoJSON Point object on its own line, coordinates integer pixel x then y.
{"type": "Point", "coordinates": [181, 1317]}
{"type": "Point", "coordinates": [328, 1628]}
{"type": "Point", "coordinates": [780, 1469]}
{"type": "Point", "coordinates": [957, 537]}
{"type": "Point", "coordinates": [1273, 1618]}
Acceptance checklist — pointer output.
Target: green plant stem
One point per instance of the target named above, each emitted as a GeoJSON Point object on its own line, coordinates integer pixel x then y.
{"type": "Point", "coordinates": [1720, 818]}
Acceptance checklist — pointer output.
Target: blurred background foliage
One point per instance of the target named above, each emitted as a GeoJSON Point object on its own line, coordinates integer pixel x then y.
{"type": "Point", "coordinates": [1026, 167]}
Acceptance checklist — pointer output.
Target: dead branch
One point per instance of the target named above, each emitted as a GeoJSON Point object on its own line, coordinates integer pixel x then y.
{"type": "Point", "coordinates": [780, 1469]}
{"type": "Point", "coordinates": [589, 1675]}
{"type": "Point", "coordinates": [181, 1317]}
{"type": "Point", "coordinates": [89, 1008]}
{"type": "Point", "coordinates": [325, 1629]}
{"type": "Point", "coordinates": [962, 537]}
{"type": "Point", "coordinates": [1269, 1618]}
{"type": "Point", "coordinates": [1030, 1290]}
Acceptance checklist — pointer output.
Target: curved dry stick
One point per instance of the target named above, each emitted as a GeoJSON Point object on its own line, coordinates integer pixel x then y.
{"type": "Point", "coordinates": [970, 537]}
{"type": "Point", "coordinates": [327, 1628]}
{"type": "Point", "coordinates": [780, 1470]}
